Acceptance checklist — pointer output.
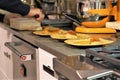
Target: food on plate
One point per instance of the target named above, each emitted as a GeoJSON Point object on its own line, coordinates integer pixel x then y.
{"type": "Point", "coordinates": [94, 39]}
{"type": "Point", "coordinates": [89, 42]}
{"type": "Point", "coordinates": [47, 31]}
{"type": "Point", "coordinates": [96, 24]}
{"type": "Point", "coordinates": [65, 35]}
{"type": "Point", "coordinates": [94, 30]}
{"type": "Point", "coordinates": [51, 29]}
{"type": "Point", "coordinates": [69, 35]}
{"type": "Point", "coordinates": [41, 33]}
{"type": "Point", "coordinates": [71, 32]}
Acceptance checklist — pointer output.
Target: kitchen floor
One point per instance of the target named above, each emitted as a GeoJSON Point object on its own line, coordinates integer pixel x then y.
{"type": "Point", "coordinates": [2, 77]}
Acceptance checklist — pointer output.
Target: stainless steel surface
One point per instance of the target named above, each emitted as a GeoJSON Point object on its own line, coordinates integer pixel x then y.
{"type": "Point", "coordinates": [106, 55]}
{"type": "Point", "coordinates": [58, 6]}
{"type": "Point", "coordinates": [71, 63]}
{"type": "Point", "coordinates": [61, 51]}
{"type": "Point", "coordinates": [15, 51]}
{"type": "Point", "coordinates": [72, 19]}
{"type": "Point", "coordinates": [24, 61]}
{"type": "Point", "coordinates": [48, 6]}
{"type": "Point", "coordinates": [84, 5]}
{"type": "Point", "coordinates": [81, 74]}
{"type": "Point", "coordinates": [100, 65]}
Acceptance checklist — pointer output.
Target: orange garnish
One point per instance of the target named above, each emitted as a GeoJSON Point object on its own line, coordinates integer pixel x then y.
{"type": "Point", "coordinates": [94, 39]}
{"type": "Point", "coordinates": [72, 32]}
{"type": "Point", "coordinates": [51, 29]}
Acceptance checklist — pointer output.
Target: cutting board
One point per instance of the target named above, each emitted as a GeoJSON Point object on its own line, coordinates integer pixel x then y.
{"type": "Point", "coordinates": [25, 24]}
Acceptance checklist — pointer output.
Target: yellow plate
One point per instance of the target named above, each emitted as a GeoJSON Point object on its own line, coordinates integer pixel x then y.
{"type": "Point", "coordinates": [58, 36]}
{"type": "Point", "coordinates": [65, 36]}
{"type": "Point", "coordinates": [41, 33]}
{"type": "Point", "coordinates": [87, 42]}
{"type": "Point", "coordinates": [48, 33]}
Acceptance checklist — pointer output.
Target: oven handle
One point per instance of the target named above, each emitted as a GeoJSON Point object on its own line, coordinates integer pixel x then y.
{"type": "Point", "coordinates": [23, 57]}
{"type": "Point", "coordinates": [8, 44]}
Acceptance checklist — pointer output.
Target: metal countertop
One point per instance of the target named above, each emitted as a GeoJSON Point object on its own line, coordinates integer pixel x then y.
{"type": "Point", "coordinates": [55, 47]}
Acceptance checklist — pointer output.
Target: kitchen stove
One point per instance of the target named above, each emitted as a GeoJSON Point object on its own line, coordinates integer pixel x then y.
{"type": "Point", "coordinates": [98, 63]}
{"type": "Point", "coordinates": [23, 58]}
{"type": "Point", "coordinates": [106, 56]}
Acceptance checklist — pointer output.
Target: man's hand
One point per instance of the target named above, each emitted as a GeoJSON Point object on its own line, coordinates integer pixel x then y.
{"type": "Point", "coordinates": [36, 11]}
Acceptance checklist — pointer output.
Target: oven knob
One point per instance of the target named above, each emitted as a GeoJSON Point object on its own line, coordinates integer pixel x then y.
{"type": "Point", "coordinates": [23, 58]}
{"type": "Point", "coordinates": [23, 70]}
{"type": "Point", "coordinates": [26, 57]}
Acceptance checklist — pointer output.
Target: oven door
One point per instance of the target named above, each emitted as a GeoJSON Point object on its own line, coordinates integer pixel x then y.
{"type": "Point", "coordinates": [24, 61]}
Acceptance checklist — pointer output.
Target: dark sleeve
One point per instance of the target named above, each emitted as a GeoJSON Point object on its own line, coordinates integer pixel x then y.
{"type": "Point", "coordinates": [15, 6]}
{"type": "Point", "coordinates": [1, 17]}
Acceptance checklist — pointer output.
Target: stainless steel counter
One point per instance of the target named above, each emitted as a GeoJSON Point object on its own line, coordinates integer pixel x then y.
{"type": "Point", "coordinates": [55, 47]}
{"type": "Point", "coordinates": [66, 54]}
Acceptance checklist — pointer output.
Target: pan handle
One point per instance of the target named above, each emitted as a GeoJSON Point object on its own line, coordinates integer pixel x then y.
{"type": "Point", "coordinates": [36, 16]}
{"type": "Point", "coordinates": [72, 19]}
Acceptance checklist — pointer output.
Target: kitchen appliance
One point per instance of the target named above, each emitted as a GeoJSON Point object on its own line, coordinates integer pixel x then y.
{"type": "Point", "coordinates": [88, 10]}
{"type": "Point", "coordinates": [65, 72]}
{"type": "Point", "coordinates": [24, 59]}
{"type": "Point", "coordinates": [45, 70]}
{"type": "Point", "coordinates": [98, 63]}
{"type": "Point", "coordinates": [85, 6]}
{"type": "Point", "coordinates": [6, 54]}
{"type": "Point", "coordinates": [108, 57]}
{"type": "Point", "coordinates": [53, 10]}
{"type": "Point", "coordinates": [56, 7]}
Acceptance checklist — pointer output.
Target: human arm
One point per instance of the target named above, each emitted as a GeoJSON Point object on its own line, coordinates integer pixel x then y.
{"type": "Point", "coordinates": [17, 6]}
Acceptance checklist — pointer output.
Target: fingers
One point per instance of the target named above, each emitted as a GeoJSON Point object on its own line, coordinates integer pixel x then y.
{"type": "Point", "coordinates": [36, 12]}
{"type": "Point", "coordinates": [40, 17]}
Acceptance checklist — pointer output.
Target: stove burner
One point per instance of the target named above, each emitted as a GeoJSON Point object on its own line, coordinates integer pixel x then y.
{"type": "Point", "coordinates": [105, 57]}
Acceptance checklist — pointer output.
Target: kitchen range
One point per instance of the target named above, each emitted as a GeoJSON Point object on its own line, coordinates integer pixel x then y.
{"type": "Point", "coordinates": [40, 55]}
{"type": "Point", "coordinates": [31, 57]}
